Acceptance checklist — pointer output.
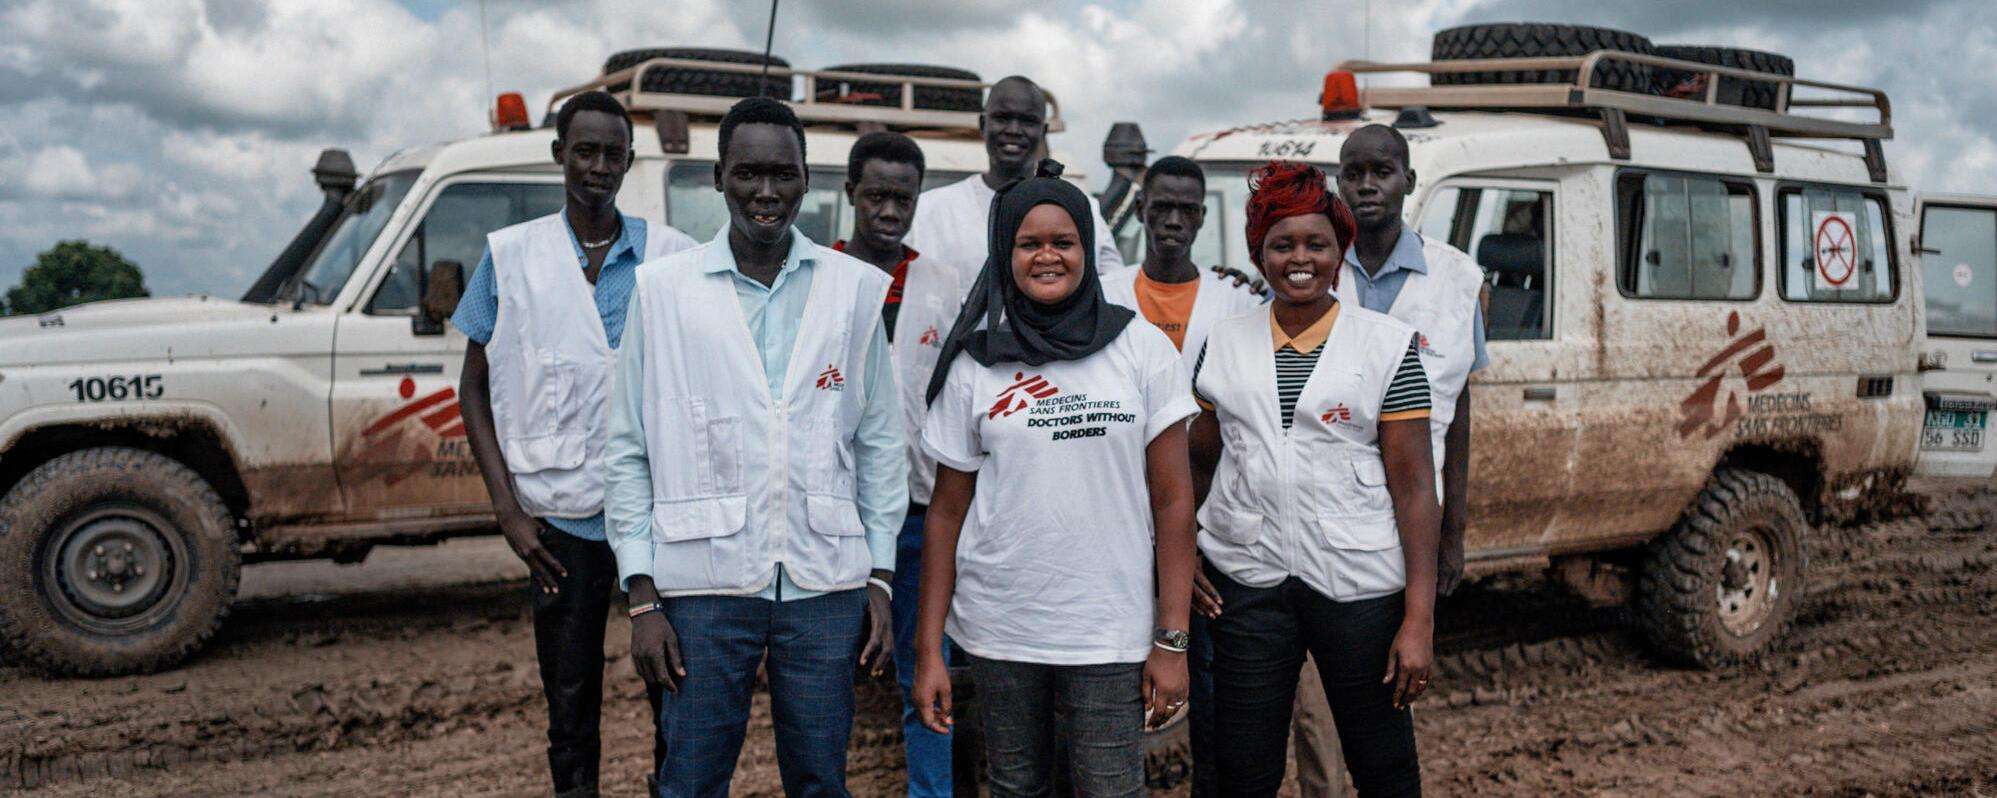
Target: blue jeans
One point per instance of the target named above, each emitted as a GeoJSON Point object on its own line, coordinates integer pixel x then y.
{"type": "Point", "coordinates": [928, 752]}
{"type": "Point", "coordinates": [813, 647]}
{"type": "Point", "coordinates": [1199, 709]}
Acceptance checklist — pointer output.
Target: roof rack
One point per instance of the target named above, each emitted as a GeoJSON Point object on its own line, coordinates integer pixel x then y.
{"type": "Point", "coordinates": [1614, 107]}
{"type": "Point", "coordinates": [626, 85]}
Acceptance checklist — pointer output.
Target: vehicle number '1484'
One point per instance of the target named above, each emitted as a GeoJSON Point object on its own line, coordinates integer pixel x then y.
{"type": "Point", "coordinates": [120, 388]}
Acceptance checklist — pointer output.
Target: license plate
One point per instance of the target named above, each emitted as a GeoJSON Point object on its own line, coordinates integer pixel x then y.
{"type": "Point", "coordinates": [1953, 431]}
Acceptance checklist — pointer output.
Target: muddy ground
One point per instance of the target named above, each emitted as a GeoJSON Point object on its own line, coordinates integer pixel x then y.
{"type": "Point", "coordinates": [413, 674]}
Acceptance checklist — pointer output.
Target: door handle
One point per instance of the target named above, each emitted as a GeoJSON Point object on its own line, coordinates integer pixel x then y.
{"type": "Point", "coordinates": [404, 368]}
{"type": "Point", "coordinates": [1985, 356]}
{"type": "Point", "coordinates": [1539, 393]}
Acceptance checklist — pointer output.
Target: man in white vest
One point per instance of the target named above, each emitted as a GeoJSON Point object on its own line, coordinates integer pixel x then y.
{"type": "Point", "coordinates": [543, 312]}
{"type": "Point", "coordinates": [756, 475]}
{"type": "Point", "coordinates": [1391, 269]}
{"type": "Point", "coordinates": [883, 181]}
{"type": "Point", "coordinates": [951, 222]}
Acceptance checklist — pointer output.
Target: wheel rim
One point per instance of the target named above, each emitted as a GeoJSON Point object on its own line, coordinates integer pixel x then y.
{"type": "Point", "coordinates": [115, 568]}
{"type": "Point", "coordinates": [1748, 588]}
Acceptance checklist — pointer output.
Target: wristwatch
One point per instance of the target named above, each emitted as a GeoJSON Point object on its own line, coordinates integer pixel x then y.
{"type": "Point", "coordinates": [1175, 640]}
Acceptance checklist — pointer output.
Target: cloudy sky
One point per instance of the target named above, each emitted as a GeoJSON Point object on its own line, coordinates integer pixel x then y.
{"type": "Point", "coordinates": [181, 131]}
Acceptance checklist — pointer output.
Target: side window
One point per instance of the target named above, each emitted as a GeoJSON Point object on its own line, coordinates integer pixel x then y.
{"type": "Point", "coordinates": [1509, 231]}
{"type": "Point", "coordinates": [455, 229]}
{"type": "Point", "coordinates": [1836, 246]}
{"type": "Point", "coordinates": [1686, 237]}
{"type": "Point", "coordinates": [695, 208]}
{"type": "Point", "coordinates": [1959, 270]}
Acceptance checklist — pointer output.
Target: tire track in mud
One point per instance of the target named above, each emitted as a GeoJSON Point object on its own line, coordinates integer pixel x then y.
{"type": "Point", "coordinates": [1886, 686]}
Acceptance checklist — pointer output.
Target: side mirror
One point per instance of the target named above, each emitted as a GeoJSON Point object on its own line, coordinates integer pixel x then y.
{"type": "Point", "coordinates": [443, 286]}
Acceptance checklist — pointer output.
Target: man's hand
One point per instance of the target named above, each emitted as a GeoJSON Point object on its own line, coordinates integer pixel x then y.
{"type": "Point", "coordinates": [1243, 279]}
{"type": "Point", "coordinates": [523, 534]}
{"type": "Point", "coordinates": [655, 651]}
{"type": "Point", "coordinates": [1165, 686]}
{"type": "Point", "coordinates": [879, 650]}
{"type": "Point", "coordinates": [1206, 600]}
{"type": "Point", "coordinates": [931, 692]}
{"type": "Point", "coordinates": [1449, 560]}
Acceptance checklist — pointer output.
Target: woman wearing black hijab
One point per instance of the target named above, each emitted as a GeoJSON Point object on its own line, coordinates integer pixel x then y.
{"type": "Point", "coordinates": [1059, 545]}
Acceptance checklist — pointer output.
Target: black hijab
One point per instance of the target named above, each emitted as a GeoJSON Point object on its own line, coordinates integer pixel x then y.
{"type": "Point", "coordinates": [1000, 323]}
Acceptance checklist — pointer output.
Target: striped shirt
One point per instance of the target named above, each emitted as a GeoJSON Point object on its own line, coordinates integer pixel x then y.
{"type": "Point", "coordinates": [1296, 358]}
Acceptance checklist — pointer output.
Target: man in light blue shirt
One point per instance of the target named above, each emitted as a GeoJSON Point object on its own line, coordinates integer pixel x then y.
{"type": "Point", "coordinates": [706, 638]}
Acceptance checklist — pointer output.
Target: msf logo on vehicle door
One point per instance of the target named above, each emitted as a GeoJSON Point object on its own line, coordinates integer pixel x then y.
{"type": "Point", "coordinates": [1700, 413]}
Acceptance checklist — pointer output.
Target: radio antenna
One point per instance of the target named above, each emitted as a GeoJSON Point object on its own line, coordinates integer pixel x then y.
{"type": "Point", "coordinates": [485, 50]}
{"type": "Point", "coordinates": [769, 38]}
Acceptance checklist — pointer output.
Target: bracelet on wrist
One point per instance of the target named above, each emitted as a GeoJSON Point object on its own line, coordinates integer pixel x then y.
{"type": "Point", "coordinates": [640, 609]}
{"type": "Point", "coordinates": [1162, 647]}
{"type": "Point", "coordinates": [875, 581]}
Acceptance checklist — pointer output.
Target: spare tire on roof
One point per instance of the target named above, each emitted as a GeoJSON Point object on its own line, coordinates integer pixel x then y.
{"type": "Point", "coordinates": [1536, 40]}
{"type": "Point", "coordinates": [1733, 91]}
{"type": "Point", "coordinates": [927, 98]}
{"type": "Point", "coordinates": [712, 82]}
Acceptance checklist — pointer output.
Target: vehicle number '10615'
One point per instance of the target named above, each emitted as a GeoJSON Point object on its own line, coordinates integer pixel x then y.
{"type": "Point", "coordinates": [99, 389]}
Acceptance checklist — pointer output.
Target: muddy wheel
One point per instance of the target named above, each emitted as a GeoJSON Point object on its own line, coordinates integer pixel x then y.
{"type": "Point", "coordinates": [1728, 579]}
{"type": "Point", "coordinates": [113, 561]}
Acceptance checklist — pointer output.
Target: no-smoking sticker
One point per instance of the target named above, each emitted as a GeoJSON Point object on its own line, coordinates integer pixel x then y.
{"type": "Point", "coordinates": [1835, 246]}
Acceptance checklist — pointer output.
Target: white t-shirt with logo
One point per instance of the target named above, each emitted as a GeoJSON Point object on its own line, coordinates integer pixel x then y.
{"type": "Point", "coordinates": [1055, 561]}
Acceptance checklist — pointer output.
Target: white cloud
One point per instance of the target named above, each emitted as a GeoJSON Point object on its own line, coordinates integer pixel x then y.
{"type": "Point", "coordinates": [181, 131]}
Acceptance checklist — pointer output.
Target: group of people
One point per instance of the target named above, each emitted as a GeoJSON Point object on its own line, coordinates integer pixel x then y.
{"type": "Point", "coordinates": [969, 435]}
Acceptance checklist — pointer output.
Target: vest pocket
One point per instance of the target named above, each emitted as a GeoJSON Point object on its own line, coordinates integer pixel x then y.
{"type": "Point", "coordinates": [1230, 523]}
{"type": "Point", "coordinates": [553, 452]}
{"type": "Point", "coordinates": [696, 519]}
{"type": "Point", "coordinates": [717, 443]}
{"type": "Point", "coordinates": [835, 516]}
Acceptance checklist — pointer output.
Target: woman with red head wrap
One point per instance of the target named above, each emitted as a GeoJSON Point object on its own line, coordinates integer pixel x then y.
{"type": "Point", "coordinates": [1319, 519]}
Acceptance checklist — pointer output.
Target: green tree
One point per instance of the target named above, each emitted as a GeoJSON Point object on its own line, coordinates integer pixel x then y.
{"type": "Point", "coordinates": [72, 273]}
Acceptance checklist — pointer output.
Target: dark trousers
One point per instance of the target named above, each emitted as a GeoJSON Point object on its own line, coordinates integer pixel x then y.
{"type": "Point", "coordinates": [1259, 642]}
{"type": "Point", "coordinates": [1200, 710]}
{"type": "Point", "coordinates": [568, 640]}
{"type": "Point", "coordinates": [813, 647]}
{"type": "Point", "coordinates": [1098, 711]}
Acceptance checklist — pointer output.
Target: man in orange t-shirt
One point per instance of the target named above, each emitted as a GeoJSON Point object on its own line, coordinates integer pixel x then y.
{"type": "Point", "coordinates": [1169, 290]}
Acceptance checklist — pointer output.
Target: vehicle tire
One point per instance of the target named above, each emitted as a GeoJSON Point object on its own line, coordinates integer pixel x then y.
{"type": "Point", "coordinates": [1168, 753]}
{"type": "Point", "coordinates": [1533, 40]}
{"type": "Point", "coordinates": [1728, 579]}
{"type": "Point", "coordinates": [1733, 91]}
{"type": "Point", "coordinates": [714, 83]}
{"type": "Point", "coordinates": [927, 98]}
{"type": "Point", "coordinates": [112, 561]}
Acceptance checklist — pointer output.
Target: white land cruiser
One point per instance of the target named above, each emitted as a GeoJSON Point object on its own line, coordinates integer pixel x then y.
{"type": "Point", "coordinates": [1705, 324]}
{"type": "Point", "coordinates": [149, 447]}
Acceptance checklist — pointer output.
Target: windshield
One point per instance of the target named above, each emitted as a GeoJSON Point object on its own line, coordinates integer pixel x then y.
{"type": "Point", "coordinates": [366, 213]}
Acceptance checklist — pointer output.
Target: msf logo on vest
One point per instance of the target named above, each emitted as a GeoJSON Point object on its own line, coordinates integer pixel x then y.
{"type": "Point", "coordinates": [1023, 391]}
{"type": "Point", "coordinates": [1338, 416]}
{"type": "Point", "coordinates": [831, 380]}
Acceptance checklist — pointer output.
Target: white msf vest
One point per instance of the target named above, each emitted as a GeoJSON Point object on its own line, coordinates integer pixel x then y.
{"type": "Point", "coordinates": [931, 297]}
{"type": "Point", "coordinates": [1310, 501]}
{"type": "Point", "coordinates": [549, 362]}
{"type": "Point", "coordinates": [1442, 305]}
{"type": "Point", "coordinates": [706, 403]}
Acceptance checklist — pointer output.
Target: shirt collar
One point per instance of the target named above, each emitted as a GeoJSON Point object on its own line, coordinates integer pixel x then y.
{"type": "Point", "coordinates": [908, 253]}
{"type": "Point", "coordinates": [630, 238]}
{"type": "Point", "coordinates": [1406, 255]}
{"type": "Point", "coordinates": [720, 257]}
{"type": "Point", "coordinates": [1310, 339]}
